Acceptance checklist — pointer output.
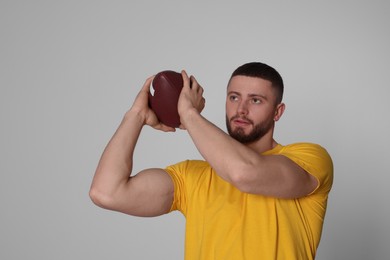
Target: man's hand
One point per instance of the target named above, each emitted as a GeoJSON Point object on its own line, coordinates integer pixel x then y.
{"type": "Point", "coordinates": [191, 98]}
{"type": "Point", "coordinates": [142, 109]}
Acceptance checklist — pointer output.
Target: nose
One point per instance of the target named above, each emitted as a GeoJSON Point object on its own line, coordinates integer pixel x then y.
{"type": "Point", "coordinates": [242, 108]}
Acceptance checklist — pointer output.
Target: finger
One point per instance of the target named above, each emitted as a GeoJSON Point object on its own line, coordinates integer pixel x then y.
{"type": "Point", "coordinates": [195, 85]}
{"type": "Point", "coordinates": [200, 90]}
{"type": "Point", "coordinates": [164, 128]}
{"type": "Point", "coordinates": [203, 104]}
{"type": "Point", "coordinates": [186, 79]}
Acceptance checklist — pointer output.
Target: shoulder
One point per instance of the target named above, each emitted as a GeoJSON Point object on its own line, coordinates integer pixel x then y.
{"type": "Point", "coordinates": [313, 158]}
{"type": "Point", "coordinates": [309, 151]}
{"type": "Point", "coordinates": [303, 151]}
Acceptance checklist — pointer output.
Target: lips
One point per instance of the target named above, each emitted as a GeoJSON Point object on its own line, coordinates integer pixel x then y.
{"type": "Point", "coordinates": [241, 121]}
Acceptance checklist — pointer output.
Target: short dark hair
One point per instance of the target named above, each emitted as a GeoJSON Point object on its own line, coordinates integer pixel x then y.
{"type": "Point", "coordinates": [263, 71]}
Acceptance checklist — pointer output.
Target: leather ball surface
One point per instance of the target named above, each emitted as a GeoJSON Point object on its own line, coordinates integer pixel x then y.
{"type": "Point", "coordinates": [164, 96]}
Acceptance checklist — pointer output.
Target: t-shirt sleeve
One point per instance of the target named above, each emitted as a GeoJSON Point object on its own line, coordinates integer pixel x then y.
{"type": "Point", "coordinates": [177, 173]}
{"type": "Point", "coordinates": [315, 160]}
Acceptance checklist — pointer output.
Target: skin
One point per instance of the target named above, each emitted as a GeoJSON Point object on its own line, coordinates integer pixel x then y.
{"type": "Point", "coordinates": [250, 102]}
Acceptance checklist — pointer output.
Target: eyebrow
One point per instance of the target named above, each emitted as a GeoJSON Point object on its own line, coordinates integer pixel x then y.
{"type": "Point", "coordinates": [249, 95]}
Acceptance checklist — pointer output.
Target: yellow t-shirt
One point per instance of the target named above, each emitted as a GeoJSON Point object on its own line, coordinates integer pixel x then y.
{"type": "Point", "coordinates": [224, 223]}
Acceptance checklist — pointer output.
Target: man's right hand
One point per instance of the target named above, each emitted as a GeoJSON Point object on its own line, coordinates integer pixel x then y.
{"type": "Point", "coordinates": [142, 109]}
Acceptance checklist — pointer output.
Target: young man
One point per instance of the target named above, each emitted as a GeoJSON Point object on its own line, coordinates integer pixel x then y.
{"type": "Point", "coordinates": [251, 198]}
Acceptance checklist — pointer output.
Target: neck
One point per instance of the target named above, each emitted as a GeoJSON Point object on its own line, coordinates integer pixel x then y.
{"type": "Point", "coordinates": [264, 144]}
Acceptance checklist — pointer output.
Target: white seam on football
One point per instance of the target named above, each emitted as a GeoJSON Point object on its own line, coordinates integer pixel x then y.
{"type": "Point", "coordinates": [151, 89]}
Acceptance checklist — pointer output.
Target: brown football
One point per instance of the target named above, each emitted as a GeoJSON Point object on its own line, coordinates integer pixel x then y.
{"type": "Point", "coordinates": [164, 96]}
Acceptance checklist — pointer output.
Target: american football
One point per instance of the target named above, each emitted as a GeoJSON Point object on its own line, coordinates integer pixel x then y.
{"type": "Point", "coordinates": [164, 95]}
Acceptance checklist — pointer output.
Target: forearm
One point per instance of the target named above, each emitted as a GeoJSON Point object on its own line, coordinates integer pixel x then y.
{"type": "Point", "coordinates": [115, 165]}
{"type": "Point", "coordinates": [227, 156]}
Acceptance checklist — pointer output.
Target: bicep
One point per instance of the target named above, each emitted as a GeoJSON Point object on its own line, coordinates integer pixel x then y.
{"type": "Point", "coordinates": [149, 193]}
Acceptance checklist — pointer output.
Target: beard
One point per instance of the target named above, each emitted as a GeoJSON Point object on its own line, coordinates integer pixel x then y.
{"type": "Point", "coordinates": [257, 132]}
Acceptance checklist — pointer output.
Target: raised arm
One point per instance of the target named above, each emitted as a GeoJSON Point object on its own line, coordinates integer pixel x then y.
{"type": "Point", "coordinates": [148, 193]}
{"type": "Point", "coordinates": [237, 163]}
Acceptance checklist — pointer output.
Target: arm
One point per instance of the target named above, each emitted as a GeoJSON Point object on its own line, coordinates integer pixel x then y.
{"type": "Point", "coordinates": [148, 193]}
{"type": "Point", "coordinates": [238, 164]}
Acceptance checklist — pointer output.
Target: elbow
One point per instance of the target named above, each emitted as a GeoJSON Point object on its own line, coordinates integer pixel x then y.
{"type": "Point", "coordinates": [246, 175]}
{"type": "Point", "coordinates": [94, 196]}
{"type": "Point", "coordinates": [241, 180]}
{"type": "Point", "coordinates": [248, 178]}
{"type": "Point", "coordinates": [100, 198]}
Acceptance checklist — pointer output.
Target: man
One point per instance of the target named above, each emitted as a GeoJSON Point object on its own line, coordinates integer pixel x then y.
{"type": "Point", "coordinates": [251, 198]}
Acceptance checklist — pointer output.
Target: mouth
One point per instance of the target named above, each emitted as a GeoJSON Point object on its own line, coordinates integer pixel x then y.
{"type": "Point", "coordinates": [240, 122]}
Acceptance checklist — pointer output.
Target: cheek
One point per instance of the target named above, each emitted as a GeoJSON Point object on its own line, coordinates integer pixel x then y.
{"type": "Point", "coordinates": [263, 115]}
{"type": "Point", "coordinates": [229, 110]}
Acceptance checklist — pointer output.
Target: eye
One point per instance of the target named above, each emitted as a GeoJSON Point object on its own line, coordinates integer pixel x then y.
{"type": "Point", "coordinates": [256, 100]}
{"type": "Point", "coordinates": [233, 98]}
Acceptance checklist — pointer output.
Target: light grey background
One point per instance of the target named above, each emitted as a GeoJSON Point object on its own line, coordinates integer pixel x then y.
{"type": "Point", "coordinates": [70, 70]}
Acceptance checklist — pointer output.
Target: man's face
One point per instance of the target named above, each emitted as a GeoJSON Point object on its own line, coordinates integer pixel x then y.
{"type": "Point", "coordinates": [250, 108]}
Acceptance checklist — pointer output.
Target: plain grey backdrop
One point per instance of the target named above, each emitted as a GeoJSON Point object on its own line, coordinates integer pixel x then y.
{"type": "Point", "coordinates": [71, 69]}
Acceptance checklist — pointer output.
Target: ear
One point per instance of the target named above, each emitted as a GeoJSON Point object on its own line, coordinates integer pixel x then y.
{"type": "Point", "coordinates": [279, 111]}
